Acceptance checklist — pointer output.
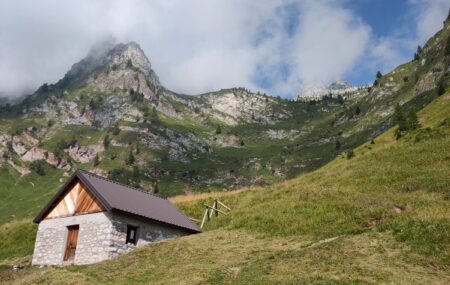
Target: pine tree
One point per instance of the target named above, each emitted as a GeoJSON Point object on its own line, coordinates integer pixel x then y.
{"type": "Point", "coordinates": [154, 116]}
{"type": "Point", "coordinates": [441, 88]}
{"type": "Point", "coordinates": [412, 121]}
{"type": "Point", "coordinates": [106, 141]}
{"type": "Point", "coordinates": [399, 118]}
{"type": "Point", "coordinates": [218, 130]}
{"type": "Point", "coordinates": [138, 150]}
{"type": "Point", "coordinates": [130, 158]}
{"type": "Point", "coordinates": [92, 104]}
{"type": "Point", "coordinates": [96, 160]}
{"type": "Point", "coordinates": [379, 75]}
{"type": "Point", "coordinates": [338, 144]}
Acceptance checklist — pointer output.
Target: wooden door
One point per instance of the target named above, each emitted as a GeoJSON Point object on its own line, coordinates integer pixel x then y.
{"type": "Point", "coordinates": [71, 244]}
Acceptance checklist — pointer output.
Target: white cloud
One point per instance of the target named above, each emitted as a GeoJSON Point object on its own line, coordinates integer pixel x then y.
{"type": "Point", "coordinates": [329, 42]}
{"type": "Point", "coordinates": [431, 14]}
{"type": "Point", "coordinates": [418, 23]}
{"type": "Point", "coordinates": [198, 46]}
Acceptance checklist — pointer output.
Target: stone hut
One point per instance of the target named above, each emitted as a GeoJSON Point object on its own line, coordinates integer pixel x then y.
{"type": "Point", "coordinates": [92, 219]}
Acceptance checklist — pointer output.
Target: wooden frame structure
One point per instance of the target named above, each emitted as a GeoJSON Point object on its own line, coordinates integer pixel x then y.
{"type": "Point", "coordinates": [214, 209]}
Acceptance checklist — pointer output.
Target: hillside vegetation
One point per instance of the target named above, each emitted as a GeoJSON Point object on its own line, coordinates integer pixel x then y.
{"type": "Point", "coordinates": [380, 217]}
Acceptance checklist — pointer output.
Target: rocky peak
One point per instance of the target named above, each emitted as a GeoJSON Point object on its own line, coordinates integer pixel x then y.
{"type": "Point", "coordinates": [127, 55]}
{"type": "Point", "coordinates": [113, 56]}
{"type": "Point", "coordinates": [339, 85]}
{"type": "Point", "coordinates": [317, 90]}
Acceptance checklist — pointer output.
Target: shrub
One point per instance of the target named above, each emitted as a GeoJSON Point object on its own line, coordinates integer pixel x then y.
{"type": "Point", "coordinates": [154, 116]}
{"type": "Point", "coordinates": [136, 96]}
{"type": "Point", "coordinates": [106, 141]}
{"type": "Point", "coordinates": [115, 129]}
{"type": "Point", "coordinates": [129, 63]}
{"type": "Point", "coordinates": [350, 154]}
{"type": "Point", "coordinates": [93, 104]}
{"type": "Point", "coordinates": [9, 146]}
{"type": "Point", "coordinates": [38, 167]}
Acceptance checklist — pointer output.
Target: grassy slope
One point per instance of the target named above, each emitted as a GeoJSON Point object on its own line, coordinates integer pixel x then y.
{"type": "Point", "coordinates": [336, 225]}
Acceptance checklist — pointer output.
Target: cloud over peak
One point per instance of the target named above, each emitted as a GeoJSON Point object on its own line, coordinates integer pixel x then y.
{"type": "Point", "coordinates": [198, 46]}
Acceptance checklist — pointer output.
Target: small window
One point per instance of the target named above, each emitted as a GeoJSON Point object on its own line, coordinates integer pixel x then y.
{"type": "Point", "coordinates": [132, 234]}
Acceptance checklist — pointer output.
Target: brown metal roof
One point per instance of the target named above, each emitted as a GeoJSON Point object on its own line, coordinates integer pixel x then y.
{"type": "Point", "coordinates": [115, 196]}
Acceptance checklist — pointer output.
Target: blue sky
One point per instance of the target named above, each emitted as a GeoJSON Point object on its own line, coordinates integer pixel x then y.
{"type": "Point", "coordinates": [387, 18]}
{"type": "Point", "coordinates": [196, 46]}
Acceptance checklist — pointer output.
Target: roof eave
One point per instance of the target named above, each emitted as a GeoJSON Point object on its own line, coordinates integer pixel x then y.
{"type": "Point", "coordinates": [191, 230]}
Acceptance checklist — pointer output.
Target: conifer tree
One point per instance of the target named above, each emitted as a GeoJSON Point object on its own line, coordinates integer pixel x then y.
{"type": "Point", "coordinates": [338, 144]}
{"type": "Point", "coordinates": [412, 121]}
{"type": "Point", "coordinates": [96, 160]}
{"type": "Point", "coordinates": [106, 141]}
{"type": "Point", "coordinates": [130, 158]}
{"type": "Point", "coordinates": [379, 75]}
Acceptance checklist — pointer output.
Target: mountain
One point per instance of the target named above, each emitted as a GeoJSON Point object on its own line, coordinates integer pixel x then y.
{"type": "Point", "coordinates": [379, 217]}
{"type": "Point", "coordinates": [371, 209]}
{"type": "Point", "coordinates": [317, 91]}
{"type": "Point", "coordinates": [111, 115]}
{"type": "Point", "coordinates": [180, 143]}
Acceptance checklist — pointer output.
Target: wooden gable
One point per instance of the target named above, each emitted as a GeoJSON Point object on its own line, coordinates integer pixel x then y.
{"type": "Point", "coordinates": [77, 200]}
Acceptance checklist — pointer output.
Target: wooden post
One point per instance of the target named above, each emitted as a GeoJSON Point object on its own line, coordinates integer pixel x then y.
{"type": "Point", "coordinates": [223, 205]}
{"type": "Point", "coordinates": [215, 206]}
{"type": "Point", "coordinates": [214, 209]}
{"type": "Point", "coordinates": [209, 210]}
{"type": "Point", "coordinates": [204, 218]}
{"type": "Point", "coordinates": [194, 219]}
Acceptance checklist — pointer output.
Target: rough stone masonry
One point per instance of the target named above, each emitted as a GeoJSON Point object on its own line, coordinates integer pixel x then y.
{"type": "Point", "coordinates": [101, 236]}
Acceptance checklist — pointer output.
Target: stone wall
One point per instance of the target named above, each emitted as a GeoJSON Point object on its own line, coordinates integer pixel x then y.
{"type": "Point", "coordinates": [147, 232]}
{"type": "Point", "coordinates": [101, 236]}
{"type": "Point", "coordinates": [93, 239]}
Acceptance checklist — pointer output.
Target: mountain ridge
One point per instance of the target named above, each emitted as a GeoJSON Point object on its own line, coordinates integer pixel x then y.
{"type": "Point", "coordinates": [112, 116]}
